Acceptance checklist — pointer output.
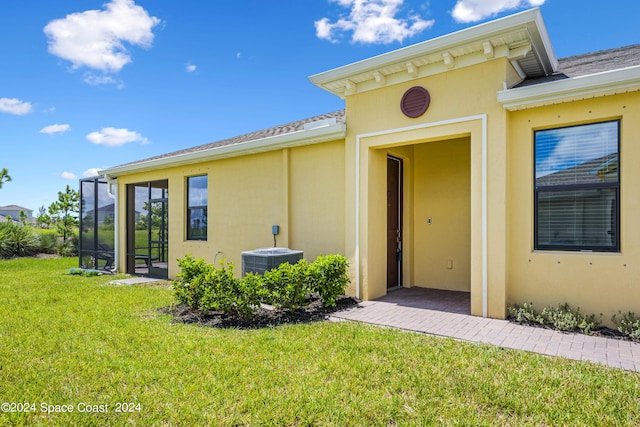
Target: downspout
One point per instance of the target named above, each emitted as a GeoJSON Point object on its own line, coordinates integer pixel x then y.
{"type": "Point", "coordinates": [114, 196]}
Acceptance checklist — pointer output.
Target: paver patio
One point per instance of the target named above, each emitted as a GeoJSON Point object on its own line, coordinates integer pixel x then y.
{"type": "Point", "coordinates": [445, 314]}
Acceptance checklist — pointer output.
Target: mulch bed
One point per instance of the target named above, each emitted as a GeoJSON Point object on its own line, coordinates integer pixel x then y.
{"type": "Point", "coordinates": [264, 318]}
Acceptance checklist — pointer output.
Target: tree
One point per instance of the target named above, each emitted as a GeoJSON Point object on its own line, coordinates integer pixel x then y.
{"type": "Point", "coordinates": [22, 215]}
{"type": "Point", "coordinates": [43, 220]}
{"type": "Point", "coordinates": [4, 176]}
{"type": "Point", "coordinates": [64, 212]}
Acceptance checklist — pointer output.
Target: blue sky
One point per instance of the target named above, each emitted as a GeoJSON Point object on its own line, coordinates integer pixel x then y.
{"type": "Point", "coordinates": [93, 84]}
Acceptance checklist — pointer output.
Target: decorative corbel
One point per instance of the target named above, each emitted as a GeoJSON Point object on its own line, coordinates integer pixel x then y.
{"type": "Point", "coordinates": [412, 69]}
{"type": "Point", "coordinates": [488, 50]}
{"type": "Point", "coordinates": [380, 78]}
{"type": "Point", "coordinates": [448, 59]}
{"type": "Point", "coordinates": [350, 87]}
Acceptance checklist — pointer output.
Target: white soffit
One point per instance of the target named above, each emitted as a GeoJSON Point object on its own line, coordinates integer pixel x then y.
{"type": "Point", "coordinates": [522, 38]}
{"type": "Point", "coordinates": [572, 89]}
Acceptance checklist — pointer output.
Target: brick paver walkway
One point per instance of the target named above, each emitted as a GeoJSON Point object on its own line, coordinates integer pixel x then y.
{"type": "Point", "coordinates": [405, 311]}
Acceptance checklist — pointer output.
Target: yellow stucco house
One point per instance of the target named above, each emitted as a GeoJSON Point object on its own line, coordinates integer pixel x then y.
{"type": "Point", "coordinates": [476, 161]}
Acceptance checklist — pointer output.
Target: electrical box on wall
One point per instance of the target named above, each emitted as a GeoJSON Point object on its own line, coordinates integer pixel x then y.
{"type": "Point", "coordinates": [275, 229]}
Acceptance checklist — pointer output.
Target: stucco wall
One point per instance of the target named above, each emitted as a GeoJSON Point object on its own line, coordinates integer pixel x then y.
{"type": "Point", "coordinates": [442, 192]}
{"type": "Point", "coordinates": [596, 282]}
{"type": "Point", "coordinates": [300, 189]}
{"type": "Point", "coordinates": [463, 105]}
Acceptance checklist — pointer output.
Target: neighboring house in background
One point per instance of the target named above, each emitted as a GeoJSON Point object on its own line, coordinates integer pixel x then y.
{"type": "Point", "coordinates": [7, 219]}
{"type": "Point", "coordinates": [105, 213]}
{"type": "Point", "coordinates": [14, 212]}
{"type": "Point", "coordinates": [476, 162]}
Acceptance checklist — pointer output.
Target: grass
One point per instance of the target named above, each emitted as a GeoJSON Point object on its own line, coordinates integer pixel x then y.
{"type": "Point", "coordinates": [72, 340]}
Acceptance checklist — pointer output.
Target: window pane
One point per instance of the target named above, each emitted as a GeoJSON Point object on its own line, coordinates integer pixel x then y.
{"type": "Point", "coordinates": [577, 187]}
{"type": "Point", "coordinates": [197, 201]}
{"type": "Point", "coordinates": [198, 191]}
{"type": "Point", "coordinates": [577, 155]}
{"type": "Point", "coordinates": [578, 219]}
{"type": "Point", "coordinates": [197, 223]}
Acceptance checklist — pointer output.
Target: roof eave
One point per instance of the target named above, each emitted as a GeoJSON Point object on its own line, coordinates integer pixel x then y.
{"type": "Point", "coordinates": [317, 135]}
{"type": "Point", "coordinates": [572, 89]}
{"type": "Point", "coordinates": [531, 20]}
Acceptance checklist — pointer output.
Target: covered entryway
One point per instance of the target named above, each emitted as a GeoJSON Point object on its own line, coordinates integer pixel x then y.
{"type": "Point", "coordinates": [438, 240]}
{"type": "Point", "coordinates": [148, 229]}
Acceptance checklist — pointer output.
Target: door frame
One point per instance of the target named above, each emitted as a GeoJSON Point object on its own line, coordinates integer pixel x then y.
{"type": "Point", "coordinates": [145, 254]}
{"type": "Point", "coordinates": [399, 205]}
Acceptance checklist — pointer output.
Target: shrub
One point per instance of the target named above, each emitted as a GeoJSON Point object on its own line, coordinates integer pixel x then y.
{"type": "Point", "coordinates": [562, 318]}
{"type": "Point", "coordinates": [66, 248]}
{"type": "Point", "coordinates": [48, 241]}
{"type": "Point", "coordinates": [17, 240]}
{"type": "Point", "coordinates": [329, 277]}
{"type": "Point", "coordinates": [225, 292]}
{"type": "Point", "coordinates": [189, 288]}
{"type": "Point", "coordinates": [628, 324]}
{"type": "Point", "coordinates": [287, 285]}
{"type": "Point", "coordinates": [204, 287]}
{"type": "Point", "coordinates": [524, 313]}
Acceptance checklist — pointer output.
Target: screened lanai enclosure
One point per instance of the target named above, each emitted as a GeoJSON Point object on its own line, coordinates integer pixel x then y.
{"type": "Point", "coordinates": [97, 225]}
{"type": "Point", "coordinates": [148, 228]}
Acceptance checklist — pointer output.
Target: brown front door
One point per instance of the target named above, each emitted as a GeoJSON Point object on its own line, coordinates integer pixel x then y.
{"type": "Point", "coordinates": [394, 222]}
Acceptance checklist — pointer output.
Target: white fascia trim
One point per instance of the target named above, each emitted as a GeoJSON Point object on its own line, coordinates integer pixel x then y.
{"type": "Point", "coordinates": [293, 139]}
{"type": "Point", "coordinates": [591, 85]}
{"type": "Point", "coordinates": [485, 259]}
{"type": "Point", "coordinates": [444, 42]}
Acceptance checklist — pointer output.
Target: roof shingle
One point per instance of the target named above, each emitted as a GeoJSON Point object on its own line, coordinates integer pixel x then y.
{"type": "Point", "coordinates": [591, 63]}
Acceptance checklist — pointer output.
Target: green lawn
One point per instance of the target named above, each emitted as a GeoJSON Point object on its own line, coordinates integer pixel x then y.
{"type": "Point", "coordinates": [78, 341]}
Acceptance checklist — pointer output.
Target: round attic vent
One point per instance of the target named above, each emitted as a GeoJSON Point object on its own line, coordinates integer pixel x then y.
{"type": "Point", "coordinates": [415, 102]}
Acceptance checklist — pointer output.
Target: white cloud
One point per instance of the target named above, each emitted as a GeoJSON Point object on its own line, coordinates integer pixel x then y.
{"type": "Point", "coordinates": [95, 38]}
{"type": "Point", "coordinates": [475, 10]}
{"type": "Point", "coordinates": [53, 129]}
{"type": "Point", "coordinates": [372, 21]}
{"type": "Point", "coordinates": [97, 80]}
{"type": "Point", "coordinates": [190, 68]}
{"type": "Point", "coordinates": [115, 137]}
{"type": "Point", "coordinates": [91, 172]}
{"type": "Point", "coordinates": [238, 55]}
{"type": "Point", "coordinates": [68, 175]}
{"type": "Point", "coordinates": [15, 106]}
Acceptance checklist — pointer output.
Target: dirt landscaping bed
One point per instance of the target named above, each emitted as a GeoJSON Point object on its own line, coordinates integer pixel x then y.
{"type": "Point", "coordinates": [265, 317]}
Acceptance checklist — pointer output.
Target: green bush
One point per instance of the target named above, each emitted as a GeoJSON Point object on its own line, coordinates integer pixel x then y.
{"type": "Point", "coordinates": [562, 318]}
{"type": "Point", "coordinates": [188, 287]}
{"type": "Point", "coordinates": [17, 240]}
{"type": "Point", "coordinates": [225, 292]}
{"type": "Point", "coordinates": [67, 248]}
{"type": "Point", "coordinates": [524, 313]}
{"type": "Point", "coordinates": [204, 287]}
{"type": "Point", "coordinates": [48, 240]}
{"type": "Point", "coordinates": [628, 324]}
{"type": "Point", "coordinates": [329, 277]}
{"type": "Point", "coordinates": [287, 285]}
